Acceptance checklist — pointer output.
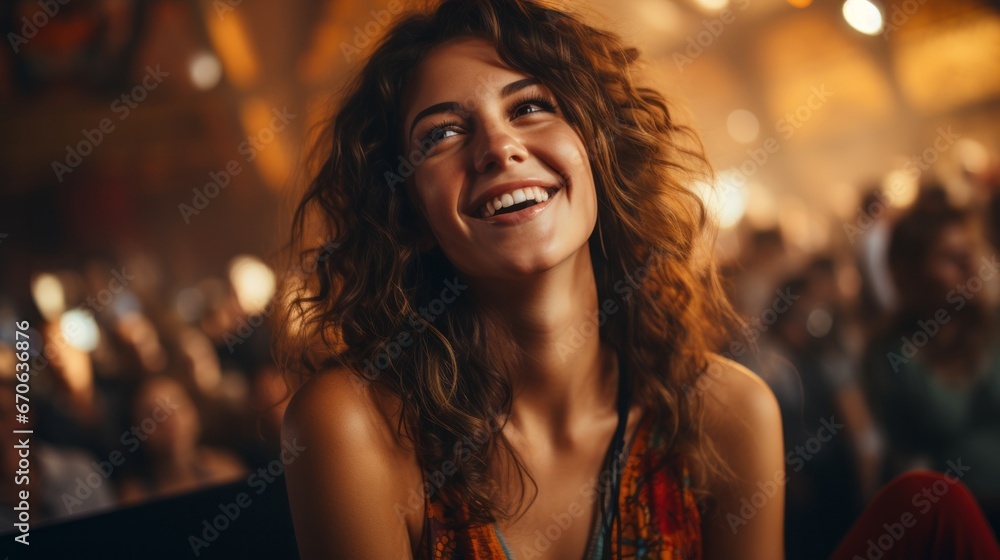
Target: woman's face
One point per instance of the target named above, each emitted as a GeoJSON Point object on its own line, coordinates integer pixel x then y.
{"type": "Point", "coordinates": [167, 416]}
{"type": "Point", "coordinates": [501, 178]}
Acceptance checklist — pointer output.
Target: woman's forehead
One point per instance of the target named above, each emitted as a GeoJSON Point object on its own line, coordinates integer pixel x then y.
{"type": "Point", "coordinates": [461, 70]}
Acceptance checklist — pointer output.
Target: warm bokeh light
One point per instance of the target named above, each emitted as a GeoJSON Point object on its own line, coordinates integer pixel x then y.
{"type": "Point", "coordinates": [863, 16]}
{"type": "Point", "coordinates": [761, 211]}
{"type": "Point", "coordinates": [205, 71]}
{"type": "Point", "coordinates": [819, 322]}
{"type": "Point", "coordinates": [901, 187]}
{"type": "Point", "coordinates": [80, 330]}
{"type": "Point", "coordinates": [726, 199]}
{"type": "Point", "coordinates": [49, 296]}
{"type": "Point", "coordinates": [267, 143]}
{"type": "Point", "coordinates": [975, 158]}
{"type": "Point", "coordinates": [946, 67]}
{"type": "Point", "coordinates": [800, 3]}
{"type": "Point", "coordinates": [230, 40]}
{"type": "Point", "coordinates": [253, 282]}
{"type": "Point", "coordinates": [8, 361]}
{"type": "Point", "coordinates": [712, 4]}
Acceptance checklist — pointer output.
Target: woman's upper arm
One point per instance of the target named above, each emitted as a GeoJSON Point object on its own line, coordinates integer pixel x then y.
{"type": "Point", "coordinates": [743, 420]}
{"type": "Point", "coordinates": [343, 488]}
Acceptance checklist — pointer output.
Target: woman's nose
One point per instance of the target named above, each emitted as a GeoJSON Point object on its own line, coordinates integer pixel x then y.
{"type": "Point", "coordinates": [497, 146]}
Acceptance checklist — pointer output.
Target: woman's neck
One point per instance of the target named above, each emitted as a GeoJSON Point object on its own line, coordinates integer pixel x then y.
{"type": "Point", "coordinates": [568, 378]}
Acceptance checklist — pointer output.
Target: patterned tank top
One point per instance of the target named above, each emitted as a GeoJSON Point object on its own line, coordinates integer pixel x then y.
{"type": "Point", "coordinates": [658, 516]}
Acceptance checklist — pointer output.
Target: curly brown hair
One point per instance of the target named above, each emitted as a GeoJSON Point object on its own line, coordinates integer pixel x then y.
{"type": "Point", "coordinates": [361, 308]}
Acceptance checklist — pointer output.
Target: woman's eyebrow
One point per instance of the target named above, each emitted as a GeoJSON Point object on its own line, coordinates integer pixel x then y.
{"type": "Point", "coordinates": [453, 107]}
{"type": "Point", "coordinates": [446, 107]}
{"type": "Point", "coordinates": [514, 87]}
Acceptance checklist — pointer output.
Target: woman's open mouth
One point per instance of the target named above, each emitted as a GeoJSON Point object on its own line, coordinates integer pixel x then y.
{"type": "Point", "coordinates": [516, 201]}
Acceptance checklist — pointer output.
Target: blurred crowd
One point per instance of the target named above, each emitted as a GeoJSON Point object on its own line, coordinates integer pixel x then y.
{"type": "Point", "coordinates": [882, 350]}
{"type": "Point", "coordinates": [137, 390]}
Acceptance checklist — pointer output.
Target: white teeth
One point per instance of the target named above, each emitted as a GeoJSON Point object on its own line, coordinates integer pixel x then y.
{"type": "Point", "coordinates": [514, 197]}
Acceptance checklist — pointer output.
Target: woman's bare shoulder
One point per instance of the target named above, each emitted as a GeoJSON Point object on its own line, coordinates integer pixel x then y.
{"type": "Point", "coordinates": [742, 417]}
{"type": "Point", "coordinates": [351, 462]}
{"type": "Point", "coordinates": [743, 422]}
{"type": "Point", "coordinates": [346, 403]}
{"type": "Point", "coordinates": [732, 391]}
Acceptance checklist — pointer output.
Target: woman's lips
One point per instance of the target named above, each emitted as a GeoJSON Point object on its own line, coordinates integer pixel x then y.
{"type": "Point", "coordinates": [502, 203]}
{"type": "Point", "coordinates": [524, 214]}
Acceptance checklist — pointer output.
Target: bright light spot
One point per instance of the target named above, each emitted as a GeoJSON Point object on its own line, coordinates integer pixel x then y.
{"type": "Point", "coordinates": [800, 3]}
{"type": "Point", "coordinates": [819, 322]}
{"type": "Point", "coordinates": [80, 330]}
{"type": "Point", "coordinates": [253, 281]}
{"type": "Point", "coordinates": [974, 156]}
{"type": "Point", "coordinates": [713, 4]}
{"type": "Point", "coordinates": [205, 70]}
{"type": "Point", "coordinates": [743, 126]}
{"type": "Point", "coordinates": [726, 200]}
{"type": "Point", "coordinates": [901, 187]}
{"type": "Point", "coordinates": [47, 291]}
{"type": "Point", "coordinates": [863, 16]}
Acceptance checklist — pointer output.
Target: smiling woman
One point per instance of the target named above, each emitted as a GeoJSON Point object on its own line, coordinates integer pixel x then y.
{"type": "Point", "coordinates": [505, 146]}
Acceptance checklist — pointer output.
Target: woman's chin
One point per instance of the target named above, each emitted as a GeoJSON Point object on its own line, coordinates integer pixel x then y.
{"type": "Point", "coordinates": [523, 266]}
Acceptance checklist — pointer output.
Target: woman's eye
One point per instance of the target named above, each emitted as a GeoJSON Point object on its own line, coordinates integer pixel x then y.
{"type": "Point", "coordinates": [523, 109]}
{"type": "Point", "coordinates": [439, 133]}
{"type": "Point", "coordinates": [529, 106]}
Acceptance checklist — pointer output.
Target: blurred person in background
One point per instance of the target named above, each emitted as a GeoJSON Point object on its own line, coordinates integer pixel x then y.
{"type": "Point", "coordinates": [168, 457]}
{"type": "Point", "coordinates": [987, 184]}
{"type": "Point", "coordinates": [933, 371]}
{"type": "Point", "coordinates": [762, 263]}
{"type": "Point", "coordinates": [133, 339]}
{"type": "Point", "coordinates": [871, 244]}
{"type": "Point", "coordinates": [828, 431]}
